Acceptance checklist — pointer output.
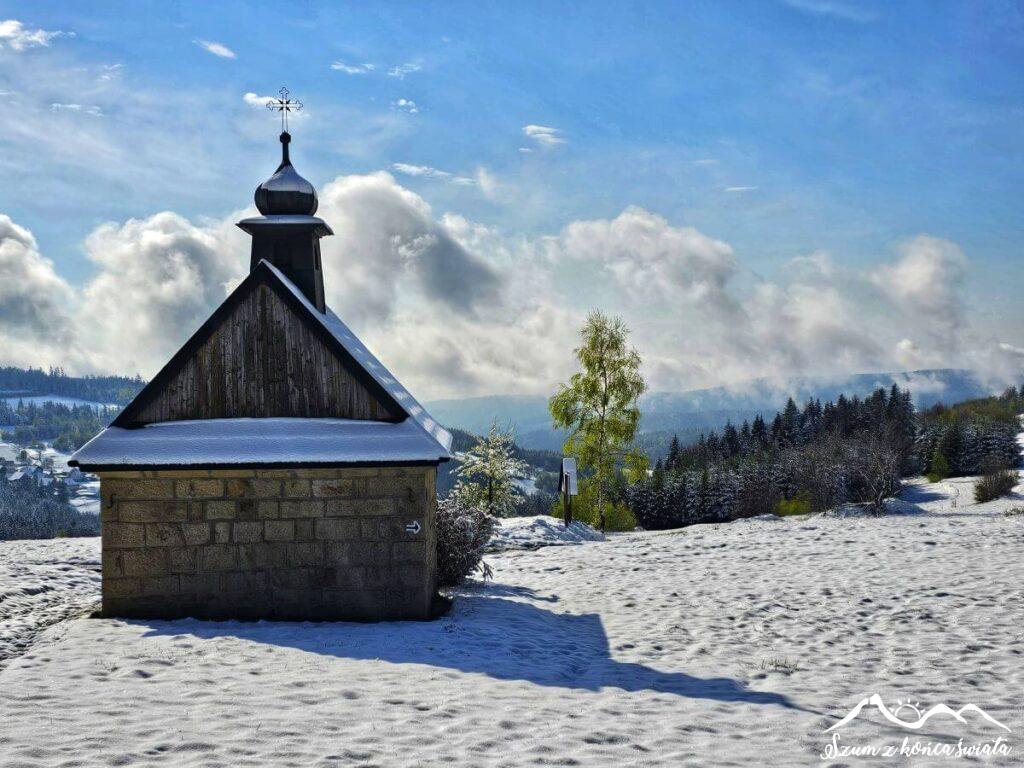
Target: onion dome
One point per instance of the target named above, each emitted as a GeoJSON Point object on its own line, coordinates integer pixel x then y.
{"type": "Point", "coordinates": [286, 193]}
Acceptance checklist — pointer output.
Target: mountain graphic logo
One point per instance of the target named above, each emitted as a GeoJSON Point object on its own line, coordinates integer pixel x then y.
{"type": "Point", "coordinates": [921, 718]}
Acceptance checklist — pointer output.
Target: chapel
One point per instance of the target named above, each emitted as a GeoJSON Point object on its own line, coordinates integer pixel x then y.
{"type": "Point", "coordinates": [274, 468]}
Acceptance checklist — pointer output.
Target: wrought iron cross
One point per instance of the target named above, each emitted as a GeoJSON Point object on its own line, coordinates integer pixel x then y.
{"type": "Point", "coordinates": [284, 105]}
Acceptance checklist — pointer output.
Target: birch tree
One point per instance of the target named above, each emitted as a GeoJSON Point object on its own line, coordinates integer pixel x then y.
{"type": "Point", "coordinates": [599, 404]}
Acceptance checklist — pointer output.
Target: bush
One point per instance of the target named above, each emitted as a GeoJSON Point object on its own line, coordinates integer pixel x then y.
{"type": "Point", "coordinates": [617, 514]}
{"type": "Point", "coordinates": [617, 517]}
{"type": "Point", "coordinates": [462, 534]}
{"type": "Point", "coordinates": [787, 507]}
{"type": "Point", "coordinates": [998, 480]}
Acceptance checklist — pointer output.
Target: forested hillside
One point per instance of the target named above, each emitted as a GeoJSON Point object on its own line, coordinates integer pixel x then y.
{"type": "Point", "coordinates": [68, 427]}
{"type": "Point", "coordinates": [960, 439]}
{"type": "Point", "coordinates": [113, 390]}
{"type": "Point", "coordinates": [824, 455]}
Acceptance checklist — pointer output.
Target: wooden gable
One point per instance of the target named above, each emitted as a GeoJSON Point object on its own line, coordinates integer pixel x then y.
{"type": "Point", "coordinates": [261, 355]}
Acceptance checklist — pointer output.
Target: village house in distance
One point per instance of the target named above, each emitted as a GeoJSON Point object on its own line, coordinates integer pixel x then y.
{"type": "Point", "coordinates": [274, 468]}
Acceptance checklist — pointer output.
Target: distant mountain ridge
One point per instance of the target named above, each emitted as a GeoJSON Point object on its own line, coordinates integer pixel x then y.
{"type": "Point", "coordinates": [688, 413]}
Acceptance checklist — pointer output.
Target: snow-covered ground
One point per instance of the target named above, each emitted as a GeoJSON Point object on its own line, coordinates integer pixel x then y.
{"type": "Point", "coordinates": [539, 531]}
{"type": "Point", "coordinates": [43, 583]}
{"type": "Point", "coordinates": [720, 645]}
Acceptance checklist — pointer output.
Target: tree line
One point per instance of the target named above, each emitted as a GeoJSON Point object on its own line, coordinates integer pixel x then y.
{"type": "Point", "coordinates": [68, 427]}
{"type": "Point", "coordinates": [801, 461]}
{"type": "Point", "coordinates": [30, 511]}
{"type": "Point", "coordinates": [114, 390]}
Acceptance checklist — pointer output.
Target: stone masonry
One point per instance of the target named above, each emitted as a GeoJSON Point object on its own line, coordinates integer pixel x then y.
{"type": "Point", "coordinates": [269, 544]}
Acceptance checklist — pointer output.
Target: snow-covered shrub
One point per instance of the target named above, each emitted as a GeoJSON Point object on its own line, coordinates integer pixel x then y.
{"type": "Point", "coordinates": [873, 464]}
{"type": "Point", "coordinates": [462, 533]}
{"type": "Point", "coordinates": [996, 482]}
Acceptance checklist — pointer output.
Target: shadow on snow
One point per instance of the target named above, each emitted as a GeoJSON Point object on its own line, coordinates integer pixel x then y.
{"type": "Point", "coordinates": [503, 639]}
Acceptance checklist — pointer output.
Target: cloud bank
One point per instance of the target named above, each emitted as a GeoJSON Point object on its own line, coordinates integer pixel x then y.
{"type": "Point", "coordinates": [16, 36]}
{"type": "Point", "coordinates": [458, 308]}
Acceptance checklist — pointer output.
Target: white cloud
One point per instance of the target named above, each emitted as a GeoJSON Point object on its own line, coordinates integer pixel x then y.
{"type": "Point", "coordinates": [256, 101]}
{"type": "Point", "coordinates": [455, 307]}
{"type": "Point", "coordinates": [86, 109]}
{"type": "Point", "coordinates": [110, 71]}
{"type": "Point", "coordinates": [544, 135]}
{"type": "Point", "coordinates": [386, 232]}
{"type": "Point", "coordinates": [926, 284]}
{"type": "Point", "coordinates": [647, 257]}
{"type": "Point", "coordinates": [352, 69]}
{"type": "Point", "coordinates": [217, 49]}
{"type": "Point", "coordinates": [736, 190]}
{"type": "Point", "coordinates": [419, 170]}
{"type": "Point", "coordinates": [705, 161]}
{"type": "Point", "coordinates": [845, 11]}
{"type": "Point", "coordinates": [405, 105]}
{"type": "Point", "coordinates": [157, 279]}
{"type": "Point", "coordinates": [483, 178]}
{"type": "Point", "coordinates": [34, 301]}
{"type": "Point", "coordinates": [487, 182]}
{"type": "Point", "coordinates": [402, 70]}
{"type": "Point", "coordinates": [17, 37]}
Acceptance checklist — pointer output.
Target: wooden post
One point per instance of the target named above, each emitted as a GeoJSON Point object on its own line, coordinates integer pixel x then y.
{"type": "Point", "coordinates": [567, 485]}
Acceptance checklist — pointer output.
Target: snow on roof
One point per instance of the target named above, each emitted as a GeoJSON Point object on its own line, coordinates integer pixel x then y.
{"type": "Point", "coordinates": [260, 442]}
{"type": "Point", "coordinates": [344, 336]}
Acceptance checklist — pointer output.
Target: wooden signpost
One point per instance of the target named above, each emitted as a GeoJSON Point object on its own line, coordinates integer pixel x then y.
{"type": "Point", "coordinates": [568, 486]}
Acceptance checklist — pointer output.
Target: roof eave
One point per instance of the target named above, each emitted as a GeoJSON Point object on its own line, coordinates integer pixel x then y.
{"type": "Point", "coordinates": [257, 466]}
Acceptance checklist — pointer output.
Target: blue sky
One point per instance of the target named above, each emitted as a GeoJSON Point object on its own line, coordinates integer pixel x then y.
{"type": "Point", "coordinates": [784, 129]}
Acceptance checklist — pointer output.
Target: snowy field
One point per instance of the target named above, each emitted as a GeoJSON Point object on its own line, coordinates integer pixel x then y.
{"type": "Point", "coordinates": [720, 645]}
{"type": "Point", "coordinates": [41, 584]}
{"type": "Point", "coordinates": [539, 531]}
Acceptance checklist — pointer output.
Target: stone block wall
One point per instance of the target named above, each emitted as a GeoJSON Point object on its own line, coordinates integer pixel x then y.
{"type": "Point", "coordinates": [316, 544]}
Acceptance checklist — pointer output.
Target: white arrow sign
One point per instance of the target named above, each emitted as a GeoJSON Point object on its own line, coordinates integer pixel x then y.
{"type": "Point", "coordinates": [413, 527]}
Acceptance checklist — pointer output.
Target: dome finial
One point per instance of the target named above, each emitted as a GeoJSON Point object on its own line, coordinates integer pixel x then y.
{"type": "Point", "coordinates": [285, 193]}
{"type": "Point", "coordinates": [286, 139]}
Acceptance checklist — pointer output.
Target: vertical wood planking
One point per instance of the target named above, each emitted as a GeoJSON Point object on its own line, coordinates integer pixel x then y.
{"type": "Point", "coordinates": [263, 361]}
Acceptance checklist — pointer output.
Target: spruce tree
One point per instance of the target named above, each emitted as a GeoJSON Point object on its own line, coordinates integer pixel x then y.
{"type": "Point", "coordinates": [672, 463]}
